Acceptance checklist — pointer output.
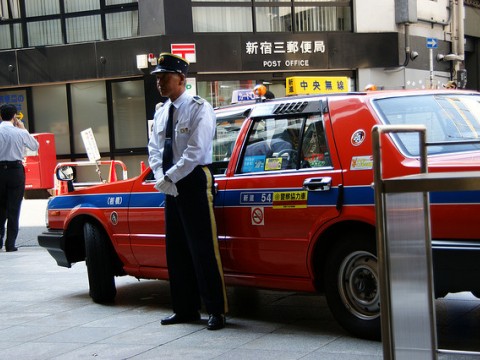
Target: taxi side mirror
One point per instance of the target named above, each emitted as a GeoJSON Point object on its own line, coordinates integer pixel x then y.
{"type": "Point", "coordinates": [66, 173]}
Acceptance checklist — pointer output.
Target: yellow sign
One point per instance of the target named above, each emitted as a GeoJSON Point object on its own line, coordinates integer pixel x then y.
{"type": "Point", "coordinates": [305, 85]}
{"type": "Point", "coordinates": [273, 164]}
{"type": "Point", "coordinates": [19, 115]}
{"type": "Point", "coordinates": [290, 199]}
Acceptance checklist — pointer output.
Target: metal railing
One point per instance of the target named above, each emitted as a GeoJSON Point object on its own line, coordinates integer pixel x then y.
{"type": "Point", "coordinates": [404, 250]}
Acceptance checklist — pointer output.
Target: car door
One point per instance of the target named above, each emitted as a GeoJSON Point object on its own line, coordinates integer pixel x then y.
{"type": "Point", "coordinates": [286, 185]}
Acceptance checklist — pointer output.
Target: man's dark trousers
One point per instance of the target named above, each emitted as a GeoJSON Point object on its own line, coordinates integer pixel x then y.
{"type": "Point", "coordinates": [12, 189]}
{"type": "Point", "coordinates": [193, 255]}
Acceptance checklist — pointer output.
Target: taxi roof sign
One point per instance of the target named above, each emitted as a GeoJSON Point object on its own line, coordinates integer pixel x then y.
{"type": "Point", "coordinates": [242, 95]}
{"type": "Point", "coordinates": [306, 85]}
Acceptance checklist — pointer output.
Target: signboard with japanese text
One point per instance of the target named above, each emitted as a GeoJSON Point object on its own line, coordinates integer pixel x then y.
{"type": "Point", "coordinates": [19, 99]}
{"type": "Point", "coordinates": [275, 52]}
{"type": "Point", "coordinates": [305, 85]}
{"type": "Point", "coordinates": [90, 145]}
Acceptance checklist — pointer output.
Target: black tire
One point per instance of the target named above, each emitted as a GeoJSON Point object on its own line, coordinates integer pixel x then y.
{"type": "Point", "coordinates": [352, 284]}
{"type": "Point", "coordinates": [100, 268]}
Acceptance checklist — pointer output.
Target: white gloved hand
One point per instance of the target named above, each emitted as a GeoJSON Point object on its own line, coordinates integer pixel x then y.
{"type": "Point", "coordinates": [166, 187]}
{"type": "Point", "coordinates": [171, 189]}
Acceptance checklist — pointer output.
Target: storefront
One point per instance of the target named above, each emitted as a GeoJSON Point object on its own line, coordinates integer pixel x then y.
{"type": "Point", "coordinates": [66, 89]}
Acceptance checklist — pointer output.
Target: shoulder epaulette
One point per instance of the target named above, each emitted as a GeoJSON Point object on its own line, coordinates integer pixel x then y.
{"type": "Point", "coordinates": [198, 100]}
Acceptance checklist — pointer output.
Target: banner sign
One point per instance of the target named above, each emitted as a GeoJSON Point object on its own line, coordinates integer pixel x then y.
{"type": "Point", "coordinates": [305, 85]}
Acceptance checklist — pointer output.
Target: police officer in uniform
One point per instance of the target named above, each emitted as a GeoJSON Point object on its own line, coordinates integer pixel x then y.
{"type": "Point", "coordinates": [180, 152]}
{"type": "Point", "coordinates": [13, 140]}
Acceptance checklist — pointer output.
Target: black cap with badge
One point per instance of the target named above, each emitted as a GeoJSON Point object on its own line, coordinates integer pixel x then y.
{"type": "Point", "coordinates": [171, 63]}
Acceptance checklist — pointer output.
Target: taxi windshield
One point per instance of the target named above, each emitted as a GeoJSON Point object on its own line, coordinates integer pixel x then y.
{"type": "Point", "coordinates": [452, 121]}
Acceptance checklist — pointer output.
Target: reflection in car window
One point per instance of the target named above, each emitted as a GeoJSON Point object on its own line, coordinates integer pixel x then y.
{"type": "Point", "coordinates": [272, 145]}
{"type": "Point", "coordinates": [226, 133]}
{"type": "Point", "coordinates": [448, 118]}
{"type": "Point", "coordinates": [276, 143]}
{"type": "Point", "coordinates": [315, 151]}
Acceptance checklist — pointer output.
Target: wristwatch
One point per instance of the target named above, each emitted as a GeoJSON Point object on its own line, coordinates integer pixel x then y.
{"type": "Point", "coordinates": [167, 179]}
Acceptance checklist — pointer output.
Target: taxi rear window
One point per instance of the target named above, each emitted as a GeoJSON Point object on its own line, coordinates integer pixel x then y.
{"type": "Point", "coordinates": [452, 121]}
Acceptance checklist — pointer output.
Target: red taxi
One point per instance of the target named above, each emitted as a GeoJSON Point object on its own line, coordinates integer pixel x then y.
{"type": "Point", "coordinates": [294, 203]}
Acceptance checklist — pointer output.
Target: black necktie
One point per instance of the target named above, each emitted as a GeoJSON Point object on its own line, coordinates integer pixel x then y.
{"type": "Point", "coordinates": [167, 159]}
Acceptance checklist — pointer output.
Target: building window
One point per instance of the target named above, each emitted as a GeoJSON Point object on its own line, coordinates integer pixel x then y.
{"type": "Point", "coordinates": [273, 19]}
{"type": "Point", "coordinates": [80, 106]}
{"type": "Point", "coordinates": [122, 25]}
{"type": "Point", "coordinates": [278, 16]}
{"type": "Point", "coordinates": [44, 33]}
{"type": "Point", "coordinates": [85, 28]}
{"type": "Point", "coordinates": [322, 18]}
{"type": "Point", "coordinates": [89, 110]}
{"type": "Point", "coordinates": [55, 22]}
{"type": "Point", "coordinates": [52, 117]}
{"type": "Point", "coordinates": [222, 19]}
{"type": "Point", "coordinates": [85, 5]}
{"type": "Point", "coordinates": [219, 93]}
{"type": "Point", "coordinates": [119, 2]}
{"type": "Point", "coordinates": [10, 36]}
{"type": "Point", "coordinates": [41, 7]}
{"type": "Point", "coordinates": [129, 116]}
{"type": "Point", "coordinates": [10, 9]}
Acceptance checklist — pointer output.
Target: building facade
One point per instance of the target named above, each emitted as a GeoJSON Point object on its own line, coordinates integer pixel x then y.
{"type": "Point", "coordinates": [70, 65]}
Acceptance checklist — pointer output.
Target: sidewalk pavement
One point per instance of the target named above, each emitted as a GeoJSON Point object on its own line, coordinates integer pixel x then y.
{"type": "Point", "coordinates": [46, 313]}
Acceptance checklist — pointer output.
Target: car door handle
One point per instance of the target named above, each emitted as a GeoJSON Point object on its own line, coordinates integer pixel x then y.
{"type": "Point", "coordinates": [318, 184]}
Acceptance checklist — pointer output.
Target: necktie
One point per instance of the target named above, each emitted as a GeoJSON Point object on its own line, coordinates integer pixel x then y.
{"type": "Point", "coordinates": [167, 160]}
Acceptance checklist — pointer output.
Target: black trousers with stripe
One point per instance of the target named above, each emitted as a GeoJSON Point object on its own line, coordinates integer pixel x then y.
{"type": "Point", "coordinates": [193, 256]}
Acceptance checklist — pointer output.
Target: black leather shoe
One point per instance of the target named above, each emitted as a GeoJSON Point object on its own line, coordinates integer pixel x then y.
{"type": "Point", "coordinates": [180, 318]}
{"type": "Point", "coordinates": [11, 249]}
{"type": "Point", "coordinates": [216, 322]}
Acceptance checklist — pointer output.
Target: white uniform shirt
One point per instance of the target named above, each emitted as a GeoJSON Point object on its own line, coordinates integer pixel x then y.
{"type": "Point", "coordinates": [13, 141]}
{"type": "Point", "coordinates": [194, 129]}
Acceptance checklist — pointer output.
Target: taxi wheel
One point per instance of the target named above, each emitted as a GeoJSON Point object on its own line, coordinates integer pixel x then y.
{"type": "Point", "coordinates": [99, 265]}
{"type": "Point", "coordinates": [352, 285]}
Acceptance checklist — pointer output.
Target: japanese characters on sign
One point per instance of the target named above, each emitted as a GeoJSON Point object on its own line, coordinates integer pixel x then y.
{"type": "Point", "coordinates": [304, 85]}
{"type": "Point", "coordinates": [290, 199]}
{"type": "Point", "coordinates": [90, 145]}
{"type": "Point", "coordinates": [274, 52]}
{"type": "Point", "coordinates": [285, 47]}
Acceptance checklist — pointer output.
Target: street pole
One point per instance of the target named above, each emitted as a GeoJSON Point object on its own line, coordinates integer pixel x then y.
{"type": "Point", "coordinates": [430, 54]}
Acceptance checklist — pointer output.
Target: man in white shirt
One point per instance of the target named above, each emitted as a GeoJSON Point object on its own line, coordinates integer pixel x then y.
{"type": "Point", "coordinates": [180, 152]}
{"type": "Point", "coordinates": [13, 140]}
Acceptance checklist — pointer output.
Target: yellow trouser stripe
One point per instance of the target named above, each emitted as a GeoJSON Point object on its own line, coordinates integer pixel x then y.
{"type": "Point", "coordinates": [209, 177]}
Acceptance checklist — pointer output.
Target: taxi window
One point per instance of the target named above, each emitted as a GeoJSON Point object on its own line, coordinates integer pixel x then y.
{"type": "Point", "coordinates": [272, 145]}
{"type": "Point", "coordinates": [226, 133]}
{"type": "Point", "coordinates": [448, 118]}
{"type": "Point", "coordinates": [315, 151]}
{"type": "Point", "coordinates": [285, 143]}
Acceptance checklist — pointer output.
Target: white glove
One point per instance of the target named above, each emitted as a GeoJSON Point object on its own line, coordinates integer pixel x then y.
{"type": "Point", "coordinates": [166, 187]}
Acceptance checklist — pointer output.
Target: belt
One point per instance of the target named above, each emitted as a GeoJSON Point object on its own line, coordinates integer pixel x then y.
{"type": "Point", "coordinates": [11, 164]}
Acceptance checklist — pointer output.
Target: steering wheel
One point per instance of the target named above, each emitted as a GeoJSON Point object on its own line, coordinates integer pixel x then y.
{"type": "Point", "coordinates": [291, 155]}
